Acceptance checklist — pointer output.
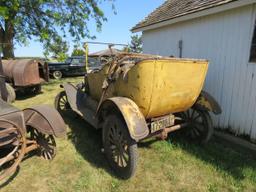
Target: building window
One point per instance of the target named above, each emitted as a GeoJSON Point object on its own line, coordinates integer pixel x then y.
{"type": "Point", "coordinates": [253, 46]}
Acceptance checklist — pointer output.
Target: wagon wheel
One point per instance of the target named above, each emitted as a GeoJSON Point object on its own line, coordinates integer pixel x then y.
{"type": "Point", "coordinates": [57, 75]}
{"type": "Point", "coordinates": [46, 143]}
{"type": "Point", "coordinates": [61, 103]}
{"type": "Point", "coordinates": [119, 147]}
{"type": "Point", "coordinates": [200, 127]}
{"type": "Point", "coordinates": [12, 147]}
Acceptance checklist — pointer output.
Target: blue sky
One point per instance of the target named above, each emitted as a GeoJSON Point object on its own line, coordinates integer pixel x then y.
{"type": "Point", "coordinates": [116, 29]}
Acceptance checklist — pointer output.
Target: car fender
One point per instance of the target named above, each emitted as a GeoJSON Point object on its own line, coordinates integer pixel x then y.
{"type": "Point", "coordinates": [46, 120]}
{"type": "Point", "coordinates": [133, 118]}
{"type": "Point", "coordinates": [206, 102]}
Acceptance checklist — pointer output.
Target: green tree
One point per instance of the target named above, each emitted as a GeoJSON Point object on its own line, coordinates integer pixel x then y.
{"type": "Point", "coordinates": [78, 52]}
{"type": "Point", "coordinates": [57, 47]}
{"type": "Point", "coordinates": [135, 45]}
{"type": "Point", "coordinates": [46, 20]}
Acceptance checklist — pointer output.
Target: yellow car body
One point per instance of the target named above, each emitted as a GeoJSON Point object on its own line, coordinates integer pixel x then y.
{"type": "Point", "coordinates": [157, 86]}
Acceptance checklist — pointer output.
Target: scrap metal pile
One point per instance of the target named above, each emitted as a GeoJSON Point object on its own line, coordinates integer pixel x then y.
{"type": "Point", "coordinates": [23, 131]}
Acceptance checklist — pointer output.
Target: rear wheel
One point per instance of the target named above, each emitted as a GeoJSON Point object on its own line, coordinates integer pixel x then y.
{"type": "Point", "coordinates": [57, 74]}
{"type": "Point", "coordinates": [36, 89]}
{"type": "Point", "coordinates": [119, 147]}
{"type": "Point", "coordinates": [200, 127]}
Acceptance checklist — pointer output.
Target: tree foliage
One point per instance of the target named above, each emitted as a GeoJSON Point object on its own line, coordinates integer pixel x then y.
{"type": "Point", "coordinates": [57, 47]}
{"type": "Point", "coordinates": [46, 20]}
{"type": "Point", "coordinates": [135, 45]}
{"type": "Point", "coordinates": [78, 52]}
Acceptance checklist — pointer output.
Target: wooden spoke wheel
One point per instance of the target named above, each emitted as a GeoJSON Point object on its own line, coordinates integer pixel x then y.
{"type": "Point", "coordinates": [46, 143]}
{"type": "Point", "coordinates": [12, 147]}
{"type": "Point", "coordinates": [119, 147]}
{"type": "Point", "coordinates": [61, 102]}
{"type": "Point", "coordinates": [200, 127]}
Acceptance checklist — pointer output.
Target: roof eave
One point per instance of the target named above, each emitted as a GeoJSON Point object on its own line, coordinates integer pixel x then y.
{"type": "Point", "coordinates": [194, 15]}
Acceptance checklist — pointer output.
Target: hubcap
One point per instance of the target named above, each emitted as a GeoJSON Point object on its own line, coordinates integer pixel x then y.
{"type": "Point", "coordinates": [57, 74]}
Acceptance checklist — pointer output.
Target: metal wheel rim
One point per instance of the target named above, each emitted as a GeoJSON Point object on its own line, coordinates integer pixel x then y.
{"type": "Point", "coordinates": [16, 154]}
{"type": "Point", "coordinates": [118, 146]}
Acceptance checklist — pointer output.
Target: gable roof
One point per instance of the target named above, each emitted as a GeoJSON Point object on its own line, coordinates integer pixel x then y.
{"type": "Point", "coordinates": [172, 9]}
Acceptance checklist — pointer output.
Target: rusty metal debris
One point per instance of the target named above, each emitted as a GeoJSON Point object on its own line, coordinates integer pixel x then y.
{"type": "Point", "coordinates": [24, 75]}
{"type": "Point", "coordinates": [25, 72]}
{"type": "Point", "coordinates": [21, 132]}
{"type": "Point", "coordinates": [19, 135]}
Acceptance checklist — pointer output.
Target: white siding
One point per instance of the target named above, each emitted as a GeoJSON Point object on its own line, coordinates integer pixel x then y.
{"type": "Point", "coordinates": [224, 39]}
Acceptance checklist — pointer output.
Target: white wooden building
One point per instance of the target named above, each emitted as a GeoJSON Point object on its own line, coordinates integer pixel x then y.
{"type": "Point", "coordinates": [221, 31]}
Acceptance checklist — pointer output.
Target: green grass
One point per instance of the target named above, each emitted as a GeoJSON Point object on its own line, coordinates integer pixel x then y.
{"type": "Point", "coordinates": [172, 165]}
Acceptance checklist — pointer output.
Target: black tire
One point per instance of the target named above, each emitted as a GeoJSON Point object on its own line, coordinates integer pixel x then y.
{"type": "Point", "coordinates": [57, 75]}
{"type": "Point", "coordinates": [120, 149]}
{"type": "Point", "coordinates": [11, 93]}
{"type": "Point", "coordinates": [61, 103]}
{"type": "Point", "coordinates": [34, 90]}
{"type": "Point", "coordinates": [37, 89]}
{"type": "Point", "coordinates": [200, 126]}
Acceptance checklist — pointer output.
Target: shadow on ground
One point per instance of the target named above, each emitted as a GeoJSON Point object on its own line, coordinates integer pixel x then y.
{"type": "Point", "coordinates": [223, 156]}
{"type": "Point", "coordinates": [26, 95]}
{"type": "Point", "coordinates": [87, 141]}
{"type": "Point", "coordinates": [9, 179]}
{"type": "Point", "coordinates": [13, 175]}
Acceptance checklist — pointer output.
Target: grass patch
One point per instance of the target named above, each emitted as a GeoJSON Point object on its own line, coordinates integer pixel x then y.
{"type": "Point", "coordinates": [172, 165]}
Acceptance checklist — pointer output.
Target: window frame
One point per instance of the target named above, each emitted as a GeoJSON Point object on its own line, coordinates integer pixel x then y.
{"type": "Point", "coordinates": [252, 54]}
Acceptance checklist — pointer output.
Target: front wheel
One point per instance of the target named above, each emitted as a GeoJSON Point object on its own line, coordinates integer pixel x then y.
{"type": "Point", "coordinates": [200, 127]}
{"type": "Point", "coordinates": [61, 103]}
{"type": "Point", "coordinates": [119, 147]}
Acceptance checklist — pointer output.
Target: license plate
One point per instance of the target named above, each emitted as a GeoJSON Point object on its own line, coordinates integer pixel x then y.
{"type": "Point", "coordinates": [162, 123]}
